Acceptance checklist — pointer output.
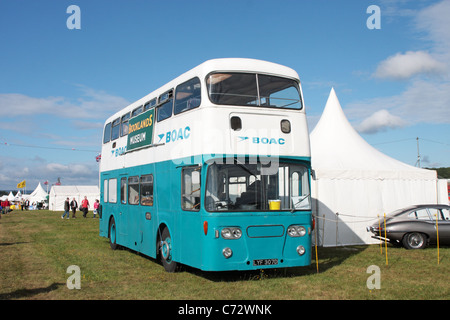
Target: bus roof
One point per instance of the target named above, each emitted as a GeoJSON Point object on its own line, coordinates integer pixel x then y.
{"type": "Point", "coordinates": [202, 70]}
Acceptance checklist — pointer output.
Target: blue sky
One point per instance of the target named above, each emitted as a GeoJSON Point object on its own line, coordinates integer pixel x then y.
{"type": "Point", "coordinates": [57, 86]}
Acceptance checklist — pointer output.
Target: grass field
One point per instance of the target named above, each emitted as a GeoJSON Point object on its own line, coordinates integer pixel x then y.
{"type": "Point", "coordinates": [36, 248]}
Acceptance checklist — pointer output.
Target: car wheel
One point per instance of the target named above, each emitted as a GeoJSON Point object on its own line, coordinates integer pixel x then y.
{"type": "Point", "coordinates": [415, 240]}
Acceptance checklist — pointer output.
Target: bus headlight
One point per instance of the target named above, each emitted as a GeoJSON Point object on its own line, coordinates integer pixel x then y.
{"type": "Point", "coordinates": [301, 250]}
{"type": "Point", "coordinates": [227, 252]}
{"type": "Point", "coordinates": [231, 233]}
{"type": "Point", "coordinates": [296, 231]}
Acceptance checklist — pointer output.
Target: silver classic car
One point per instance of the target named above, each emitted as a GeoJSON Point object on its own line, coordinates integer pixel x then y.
{"type": "Point", "coordinates": [415, 227]}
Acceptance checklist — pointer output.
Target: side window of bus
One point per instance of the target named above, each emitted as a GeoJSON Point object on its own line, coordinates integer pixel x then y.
{"type": "Point", "coordinates": [137, 111]}
{"type": "Point", "coordinates": [105, 190]}
{"type": "Point", "coordinates": [112, 188]}
{"type": "Point", "coordinates": [190, 188]}
{"type": "Point", "coordinates": [107, 133]}
{"type": "Point", "coordinates": [149, 105]}
{"type": "Point", "coordinates": [133, 190]}
{"type": "Point", "coordinates": [164, 110]}
{"type": "Point", "coordinates": [147, 190]}
{"type": "Point", "coordinates": [124, 125]}
{"type": "Point", "coordinates": [115, 130]}
{"type": "Point", "coordinates": [123, 190]}
{"type": "Point", "coordinates": [187, 96]}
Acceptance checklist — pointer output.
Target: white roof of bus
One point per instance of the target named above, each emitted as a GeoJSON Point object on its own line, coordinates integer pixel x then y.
{"type": "Point", "coordinates": [225, 64]}
{"type": "Point", "coordinates": [241, 64]}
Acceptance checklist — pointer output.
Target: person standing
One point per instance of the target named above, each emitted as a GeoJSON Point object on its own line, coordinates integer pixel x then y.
{"type": "Point", "coordinates": [96, 205]}
{"type": "Point", "coordinates": [85, 206]}
{"type": "Point", "coordinates": [66, 208]}
{"type": "Point", "coordinates": [73, 206]}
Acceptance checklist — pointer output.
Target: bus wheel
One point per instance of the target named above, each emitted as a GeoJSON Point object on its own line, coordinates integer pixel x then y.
{"type": "Point", "coordinates": [165, 251]}
{"type": "Point", "coordinates": [112, 234]}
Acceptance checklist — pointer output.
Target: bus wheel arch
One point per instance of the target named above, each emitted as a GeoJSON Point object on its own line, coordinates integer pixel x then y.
{"type": "Point", "coordinates": [164, 249]}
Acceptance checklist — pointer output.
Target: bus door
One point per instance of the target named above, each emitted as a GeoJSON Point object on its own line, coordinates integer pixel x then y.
{"type": "Point", "coordinates": [147, 216]}
{"type": "Point", "coordinates": [190, 217]}
{"type": "Point", "coordinates": [131, 214]}
{"type": "Point", "coordinates": [122, 217]}
{"type": "Point", "coordinates": [139, 213]}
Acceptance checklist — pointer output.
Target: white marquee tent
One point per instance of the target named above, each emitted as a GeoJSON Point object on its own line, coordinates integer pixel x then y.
{"type": "Point", "coordinates": [38, 195]}
{"type": "Point", "coordinates": [354, 182]}
{"type": "Point", "coordinates": [58, 195]}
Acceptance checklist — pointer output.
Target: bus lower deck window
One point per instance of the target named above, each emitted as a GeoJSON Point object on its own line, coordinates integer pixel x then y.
{"type": "Point", "coordinates": [190, 188]}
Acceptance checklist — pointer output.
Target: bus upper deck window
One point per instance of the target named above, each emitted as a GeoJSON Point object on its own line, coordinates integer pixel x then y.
{"type": "Point", "coordinates": [277, 92]}
{"type": "Point", "coordinates": [115, 130]}
{"type": "Point", "coordinates": [124, 126]}
{"type": "Point", "coordinates": [107, 133]}
{"type": "Point", "coordinates": [233, 88]}
{"type": "Point", "coordinates": [149, 105]}
{"type": "Point", "coordinates": [137, 111]}
{"type": "Point", "coordinates": [248, 89]}
{"type": "Point", "coordinates": [164, 110]}
{"type": "Point", "coordinates": [187, 96]}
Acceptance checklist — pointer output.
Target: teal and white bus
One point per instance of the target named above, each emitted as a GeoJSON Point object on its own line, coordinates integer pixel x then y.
{"type": "Point", "coordinates": [212, 170]}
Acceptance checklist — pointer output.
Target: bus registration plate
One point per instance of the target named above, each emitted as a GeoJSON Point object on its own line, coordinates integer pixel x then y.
{"type": "Point", "coordinates": [265, 262]}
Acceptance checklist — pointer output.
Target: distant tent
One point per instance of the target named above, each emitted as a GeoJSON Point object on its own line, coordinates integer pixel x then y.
{"type": "Point", "coordinates": [58, 195]}
{"type": "Point", "coordinates": [38, 195]}
{"type": "Point", "coordinates": [354, 182]}
{"type": "Point", "coordinates": [10, 196]}
{"type": "Point", "coordinates": [18, 196]}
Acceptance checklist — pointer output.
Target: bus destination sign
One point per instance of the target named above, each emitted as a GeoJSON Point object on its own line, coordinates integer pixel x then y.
{"type": "Point", "coordinates": [140, 130]}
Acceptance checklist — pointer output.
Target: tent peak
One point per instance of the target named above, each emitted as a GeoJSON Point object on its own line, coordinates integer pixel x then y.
{"type": "Point", "coordinates": [337, 146]}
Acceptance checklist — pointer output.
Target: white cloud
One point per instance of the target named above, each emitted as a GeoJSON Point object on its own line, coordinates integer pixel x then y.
{"type": "Point", "coordinates": [404, 66]}
{"type": "Point", "coordinates": [424, 99]}
{"type": "Point", "coordinates": [93, 104]}
{"type": "Point", "coordinates": [13, 170]}
{"type": "Point", "coordinates": [421, 102]}
{"type": "Point", "coordinates": [435, 23]}
{"type": "Point", "coordinates": [380, 121]}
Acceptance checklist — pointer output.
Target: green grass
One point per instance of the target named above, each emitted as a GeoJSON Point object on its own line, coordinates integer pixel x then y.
{"type": "Point", "coordinates": [36, 248]}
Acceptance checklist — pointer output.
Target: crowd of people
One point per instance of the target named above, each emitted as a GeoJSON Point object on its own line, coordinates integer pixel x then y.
{"type": "Point", "coordinates": [5, 207]}
{"type": "Point", "coordinates": [69, 205]}
{"type": "Point", "coordinates": [84, 207]}
{"type": "Point", "coordinates": [24, 204]}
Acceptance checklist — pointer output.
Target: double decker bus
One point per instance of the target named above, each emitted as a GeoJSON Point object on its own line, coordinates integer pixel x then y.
{"type": "Point", "coordinates": [212, 170]}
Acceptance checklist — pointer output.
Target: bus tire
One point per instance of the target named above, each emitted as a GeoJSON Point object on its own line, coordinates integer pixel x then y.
{"type": "Point", "coordinates": [165, 252]}
{"type": "Point", "coordinates": [112, 231]}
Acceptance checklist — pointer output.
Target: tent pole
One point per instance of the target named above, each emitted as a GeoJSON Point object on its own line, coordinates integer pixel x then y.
{"type": "Point", "coordinates": [418, 153]}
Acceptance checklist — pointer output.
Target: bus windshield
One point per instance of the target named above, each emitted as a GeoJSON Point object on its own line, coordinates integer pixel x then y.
{"type": "Point", "coordinates": [249, 89]}
{"type": "Point", "coordinates": [251, 187]}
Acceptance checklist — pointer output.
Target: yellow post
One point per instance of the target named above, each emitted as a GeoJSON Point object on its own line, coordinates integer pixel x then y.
{"type": "Point", "coordinates": [437, 235]}
{"type": "Point", "coordinates": [379, 233]}
{"type": "Point", "coordinates": [315, 243]}
{"type": "Point", "coordinates": [385, 239]}
{"type": "Point", "coordinates": [317, 260]}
